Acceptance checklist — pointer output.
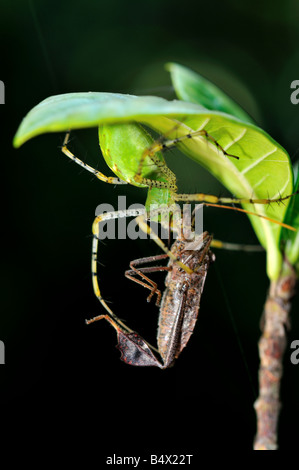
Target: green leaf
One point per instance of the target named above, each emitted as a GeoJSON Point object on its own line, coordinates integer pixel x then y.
{"type": "Point", "coordinates": [192, 87]}
{"type": "Point", "coordinates": [292, 218]}
{"type": "Point", "coordinates": [79, 110]}
{"type": "Point", "coordinates": [263, 170]}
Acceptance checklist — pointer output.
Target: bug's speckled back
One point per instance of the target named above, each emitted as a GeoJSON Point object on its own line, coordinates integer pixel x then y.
{"type": "Point", "coordinates": [181, 299]}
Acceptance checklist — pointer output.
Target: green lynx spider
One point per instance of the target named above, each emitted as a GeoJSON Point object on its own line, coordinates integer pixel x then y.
{"type": "Point", "coordinates": [149, 170]}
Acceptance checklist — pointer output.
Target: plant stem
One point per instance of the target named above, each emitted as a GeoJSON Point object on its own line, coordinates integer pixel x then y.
{"type": "Point", "coordinates": [272, 345]}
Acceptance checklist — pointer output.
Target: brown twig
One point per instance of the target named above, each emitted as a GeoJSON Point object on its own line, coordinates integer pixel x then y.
{"type": "Point", "coordinates": [272, 345]}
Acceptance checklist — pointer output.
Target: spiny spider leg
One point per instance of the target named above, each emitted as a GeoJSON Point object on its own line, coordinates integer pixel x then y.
{"type": "Point", "coordinates": [96, 173]}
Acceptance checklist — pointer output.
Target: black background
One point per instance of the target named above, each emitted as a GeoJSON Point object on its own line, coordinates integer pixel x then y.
{"type": "Point", "coordinates": [63, 378]}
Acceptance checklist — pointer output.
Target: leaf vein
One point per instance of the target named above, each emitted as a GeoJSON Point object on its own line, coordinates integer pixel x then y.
{"type": "Point", "coordinates": [234, 141]}
{"type": "Point", "coordinates": [256, 162]}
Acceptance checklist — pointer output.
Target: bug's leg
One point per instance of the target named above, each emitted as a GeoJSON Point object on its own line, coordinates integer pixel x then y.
{"type": "Point", "coordinates": [207, 240]}
{"type": "Point", "coordinates": [141, 221]}
{"type": "Point", "coordinates": [152, 286]}
{"type": "Point", "coordinates": [102, 317]}
{"type": "Point", "coordinates": [236, 246]}
{"type": "Point", "coordinates": [201, 197]}
{"type": "Point", "coordinates": [201, 244]}
{"type": "Point", "coordinates": [124, 332]}
{"type": "Point", "coordinates": [149, 284]}
{"type": "Point", "coordinates": [96, 173]}
{"type": "Point", "coordinates": [125, 337]}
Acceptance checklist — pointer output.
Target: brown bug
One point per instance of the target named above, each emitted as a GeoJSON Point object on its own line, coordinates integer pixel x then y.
{"type": "Point", "coordinates": [180, 302]}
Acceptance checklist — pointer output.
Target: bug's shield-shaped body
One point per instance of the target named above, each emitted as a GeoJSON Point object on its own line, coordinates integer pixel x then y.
{"type": "Point", "coordinates": [135, 351]}
{"type": "Point", "coordinates": [179, 307]}
{"type": "Point", "coordinates": [181, 299]}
